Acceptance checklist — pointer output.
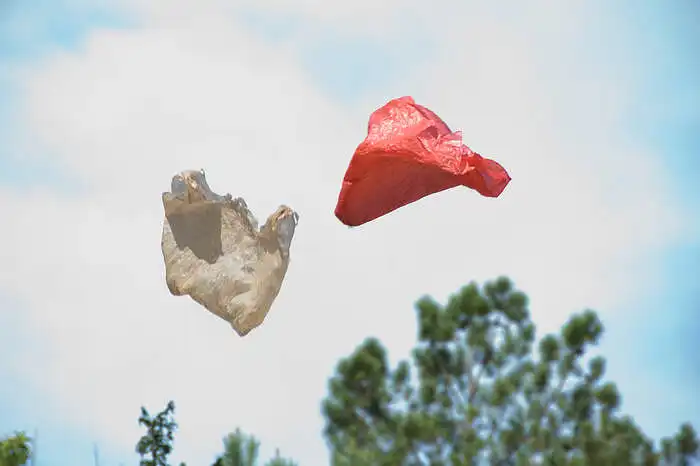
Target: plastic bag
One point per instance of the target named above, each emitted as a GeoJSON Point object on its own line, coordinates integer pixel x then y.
{"type": "Point", "coordinates": [410, 153]}
{"type": "Point", "coordinates": [215, 253]}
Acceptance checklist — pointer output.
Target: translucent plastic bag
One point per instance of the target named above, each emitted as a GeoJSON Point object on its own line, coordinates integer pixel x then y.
{"type": "Point", "coordinates": [215, 253]}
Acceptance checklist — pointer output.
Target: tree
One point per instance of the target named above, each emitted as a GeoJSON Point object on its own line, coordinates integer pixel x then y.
{"type": "Point", "coordinates": [15, 450]}
{"type": "Point", "coordinates": [477, 392]}
{"type": "Point", "coordinates": [242, 450]}
{"type": "Point", "coordinates": [156, 444]}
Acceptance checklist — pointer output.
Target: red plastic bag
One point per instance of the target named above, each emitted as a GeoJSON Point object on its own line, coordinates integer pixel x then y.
{"type": "Point", "coordinates": [410, 153]}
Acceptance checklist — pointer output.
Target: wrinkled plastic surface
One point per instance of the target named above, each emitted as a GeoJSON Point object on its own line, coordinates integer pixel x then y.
{"type": "Point", "coordinates": [410, 153]}
{"type": "Point", "coordinates": [215, 253]}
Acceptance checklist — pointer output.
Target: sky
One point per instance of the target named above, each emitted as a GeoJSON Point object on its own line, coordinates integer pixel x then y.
{"type": "Point", "coordinates": [593, 108]}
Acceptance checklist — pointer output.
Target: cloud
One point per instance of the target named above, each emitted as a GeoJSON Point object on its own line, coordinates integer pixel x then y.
{"type": "Point", "coordinates": [192, 85]}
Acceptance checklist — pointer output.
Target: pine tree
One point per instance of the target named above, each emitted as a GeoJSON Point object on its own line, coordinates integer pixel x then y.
{"type": "Point", "coordinates": [156, 444]}
{"type": "Point", "coordinates": [242, 450]}
{"type": "Point", "coordinates": [15, 450]}
{"type": "Point", "coordinates": [478, 390]}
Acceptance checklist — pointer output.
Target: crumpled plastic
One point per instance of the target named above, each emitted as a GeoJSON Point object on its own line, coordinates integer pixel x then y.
{"type": "Point", "coordinates": [410, 153]}
{"type": "Point", "coordinates": [215, 253]}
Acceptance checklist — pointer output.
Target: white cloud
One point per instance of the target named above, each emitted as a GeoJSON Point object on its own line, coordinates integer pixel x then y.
{"type": "Point", "coordinates": [191, 89]}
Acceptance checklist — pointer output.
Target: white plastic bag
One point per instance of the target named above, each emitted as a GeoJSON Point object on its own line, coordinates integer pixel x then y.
{"type": "Point", "coordinates": [215, 253]}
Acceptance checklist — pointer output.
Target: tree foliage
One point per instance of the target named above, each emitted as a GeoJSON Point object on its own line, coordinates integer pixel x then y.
{"type": "Point", "coordinates": [156, 444]}
{"type": "Point", "coordinates": [15, 450]}
{"type": "Point", "coordinates": [479, 390]}
{"type": "Point", "coordinates": [242, 450]}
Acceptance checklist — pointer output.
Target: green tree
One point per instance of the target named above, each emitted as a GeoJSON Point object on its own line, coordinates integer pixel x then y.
{"type": "Point", "coordinates": [156, 444]}
{"type": "Point", "coordinates": [15, 450]}
{"type": "Point", "coordinates": [479, 391]}
{"type": "Point", "coordinates": [242, 450]}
